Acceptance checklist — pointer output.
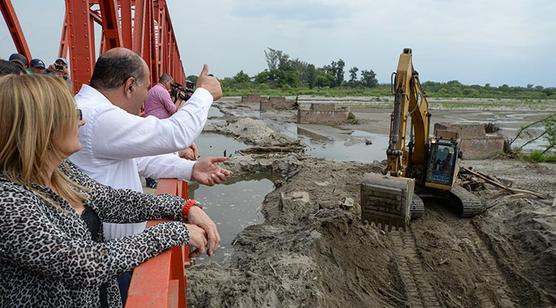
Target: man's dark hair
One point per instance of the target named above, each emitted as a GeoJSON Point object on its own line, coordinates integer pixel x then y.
{"type": "Point", "coordinates": [112, 71]}
{"type": "Point", "coordinates": [7, 67]}
{"type": "Point", "coordinates": [165, 77]}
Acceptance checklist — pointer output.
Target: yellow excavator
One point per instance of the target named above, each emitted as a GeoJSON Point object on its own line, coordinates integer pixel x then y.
{"type": "Point", "coordinates": [418, 166]}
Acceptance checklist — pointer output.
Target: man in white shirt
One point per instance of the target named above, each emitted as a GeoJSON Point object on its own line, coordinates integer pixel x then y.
{"type": "Point", "coordinates": [118, 144]}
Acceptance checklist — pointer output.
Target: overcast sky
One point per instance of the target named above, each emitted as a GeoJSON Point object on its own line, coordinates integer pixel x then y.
{"type": "Point", "coordinates": [474, 41]}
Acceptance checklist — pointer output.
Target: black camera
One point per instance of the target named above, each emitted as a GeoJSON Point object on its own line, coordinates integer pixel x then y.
{"type": "Point", "coordinates": [181, 92]}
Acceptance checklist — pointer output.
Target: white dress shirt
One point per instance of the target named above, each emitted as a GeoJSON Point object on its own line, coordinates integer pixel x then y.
{"type": "Point", "coordinates": [117, 147]}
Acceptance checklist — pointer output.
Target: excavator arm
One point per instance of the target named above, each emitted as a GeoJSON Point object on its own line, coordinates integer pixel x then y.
{"type": "Point", "coordinates": [407, 154]}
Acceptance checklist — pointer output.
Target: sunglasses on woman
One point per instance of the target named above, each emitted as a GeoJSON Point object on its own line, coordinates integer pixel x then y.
{"type": "Point", "coordinates": [79, 114]}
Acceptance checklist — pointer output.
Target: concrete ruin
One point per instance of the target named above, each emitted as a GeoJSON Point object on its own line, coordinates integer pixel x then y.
{"type": "Point", "coordinates": [251, 99]}
{"type": "Point", "coordinates": [267, 103]}
{"type": "Point", "coordinates": [475, 142]}
{"type": "Point", "coordinates": [277, 103]}
{"type": "Point", "coordinates": [323, 113]}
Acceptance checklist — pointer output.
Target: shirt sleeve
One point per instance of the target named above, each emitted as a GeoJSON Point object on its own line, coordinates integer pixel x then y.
{"type": "Point", "coordinates": [117, 134]}
{"type": "Point", "coordinates": [166, 101]}
{"type": "Point", "coordinates": [165, 166]}
{"type": "Point", "coordinates": [44, 248]}
{"type": "Point", "coordinates": [124, 205]}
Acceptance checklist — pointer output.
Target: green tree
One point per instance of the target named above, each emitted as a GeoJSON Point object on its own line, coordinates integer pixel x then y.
{"type": "Point", "coordinates": [339, 72]}
{"type": "Point", "coordinates": [324, 78]}
{"type": "Point", "coordinates": [275, 58]}
{"type": "Point", "coordinates": [368, 78]}
{"type": "Point", "coordinates": [353, 76]}
{"type": "Point", "coordinates": [241, 77]}
{"type": "Point", "coordinates": [311, 76]}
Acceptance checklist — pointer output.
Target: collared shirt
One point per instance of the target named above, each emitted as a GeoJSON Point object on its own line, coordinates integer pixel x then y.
{"type": "Point", "coordinates": [159, 103]}
{"type": "Point", "coordinates": [117, 147]}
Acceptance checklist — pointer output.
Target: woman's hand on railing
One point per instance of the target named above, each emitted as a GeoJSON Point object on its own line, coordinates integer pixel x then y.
{"type": "Point", "coordinates": [197, 239]}
{"type": "Point", "coordinates": [199, 218]}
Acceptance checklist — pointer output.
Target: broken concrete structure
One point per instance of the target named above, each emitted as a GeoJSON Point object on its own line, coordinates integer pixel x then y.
{"type": "Point", "coordinates": [277, 103]}
{"type": "Point", "coordinates": [270, 103]}
{"type": "Point", "coordinates": [323, 113]}
{"type": "Point", "coordinates": [251, 99]}
{"type": "Point", "coordinates": [475, 142]}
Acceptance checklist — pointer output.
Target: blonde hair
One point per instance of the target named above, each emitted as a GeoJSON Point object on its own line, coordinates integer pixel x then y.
{"type": "Point", "coordinates": [33, 110]}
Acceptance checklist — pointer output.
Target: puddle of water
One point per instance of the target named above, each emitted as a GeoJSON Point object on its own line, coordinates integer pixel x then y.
{"type": "Point", "coordinates": [232, 207]}
{"type": "Point", "coordinates": [215, 113]}
{"type": "Point", "coordinates": [362, 134]}
{"type": "Point", "coordinates": [350, 150]}
{"type": "Point", "coordinates": [211, 144]}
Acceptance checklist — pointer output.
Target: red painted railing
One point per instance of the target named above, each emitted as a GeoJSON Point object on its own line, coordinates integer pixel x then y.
{"type": "Point", "coordinates": [160, 282]}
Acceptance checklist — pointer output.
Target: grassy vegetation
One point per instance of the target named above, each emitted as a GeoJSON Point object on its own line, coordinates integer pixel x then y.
{"type": "Point", "coordinates": [265, 89]}
{"type": "Point", "coordinates": [528, 96]}
{"type": "Point", "coordinates": [537, 156]}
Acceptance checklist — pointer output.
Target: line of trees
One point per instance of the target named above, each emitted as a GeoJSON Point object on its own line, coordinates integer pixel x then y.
{"type": "Point", "coordinates": [287, 76]}
{"type": "Point", "coordinates": [283, 71]}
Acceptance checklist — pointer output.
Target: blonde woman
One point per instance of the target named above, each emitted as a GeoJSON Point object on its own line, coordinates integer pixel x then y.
{"type": "Point", "coordinates": [51, 249]}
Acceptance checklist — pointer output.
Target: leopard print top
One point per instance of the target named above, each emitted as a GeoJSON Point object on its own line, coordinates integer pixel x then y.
{"type": "Point", "coordinates": [48, 257]}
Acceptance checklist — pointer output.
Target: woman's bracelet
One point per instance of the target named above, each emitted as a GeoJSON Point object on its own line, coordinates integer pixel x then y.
{"type": "Point", "coordinates": [187, 206]}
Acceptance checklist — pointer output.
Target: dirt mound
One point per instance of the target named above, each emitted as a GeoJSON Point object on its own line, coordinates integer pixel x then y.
{"type": "Point", "coordinates": [251, 131]}
{"type": "Point", "coordinates": [523, 238]}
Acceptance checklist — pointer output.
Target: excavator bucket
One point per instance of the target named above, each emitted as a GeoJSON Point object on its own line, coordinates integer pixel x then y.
{"type": "Point", "coordinates": [386, 200]}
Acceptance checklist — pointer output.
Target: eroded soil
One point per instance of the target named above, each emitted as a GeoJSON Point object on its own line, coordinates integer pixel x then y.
{"type": "Point", "coordinates": [314, 251]}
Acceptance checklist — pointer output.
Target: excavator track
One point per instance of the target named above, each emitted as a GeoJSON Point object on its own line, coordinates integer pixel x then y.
{"type": "Point", "coordinates": [418, 290]}
{"type": "Point", "coordinates": [470, 205]}
{"type": "Point", "coordinates": [417, 208]}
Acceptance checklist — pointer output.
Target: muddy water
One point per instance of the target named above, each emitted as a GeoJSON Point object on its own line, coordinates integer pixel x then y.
{"type": "Point", "coordinates": [215, 145]}
{"type": "Point", "coordinates": [359, 146]}
{"type": "Point", "coordinates": [232, 207]}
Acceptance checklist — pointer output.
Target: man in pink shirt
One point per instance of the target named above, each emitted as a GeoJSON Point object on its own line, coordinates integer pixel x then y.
{"type": "Point", "coordinates": [159, 103]}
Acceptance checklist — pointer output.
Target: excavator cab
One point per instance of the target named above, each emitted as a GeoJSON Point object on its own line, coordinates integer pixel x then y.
{"type": "Point", "coordinates": [442, 164]}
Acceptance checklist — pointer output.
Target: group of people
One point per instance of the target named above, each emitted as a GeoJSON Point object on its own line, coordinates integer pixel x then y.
{"type": "Point", "coordinates": [72, 210]}
{"type": "Point", "coordinates": [17, 64]}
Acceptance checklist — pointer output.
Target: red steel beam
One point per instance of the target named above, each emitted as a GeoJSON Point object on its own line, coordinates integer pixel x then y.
{"type": "Point", "coordinates": [110, 24]}
{"type": "Point", "coordinates": [63, 50]}
{"type": "Point", "coordinates": [139, 26]}
{"type": "Point", "coordinates": [96, 16]}
{"type": "Point", "coordinates": [127, 34]}
{"type": "Point", "coordinates": [15, 29]}
{"type": "Point", "coordinates": [81, 39]}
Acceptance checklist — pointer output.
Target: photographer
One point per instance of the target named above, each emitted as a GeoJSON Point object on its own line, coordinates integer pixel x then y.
{"type": "Point", "coordinates": [159, 104]}
{"type": "Point", "coordinates": [59, 69]}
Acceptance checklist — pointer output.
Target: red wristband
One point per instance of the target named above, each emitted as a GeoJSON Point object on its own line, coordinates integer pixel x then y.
{"type": "Point", "coordinates": [187, 206]}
